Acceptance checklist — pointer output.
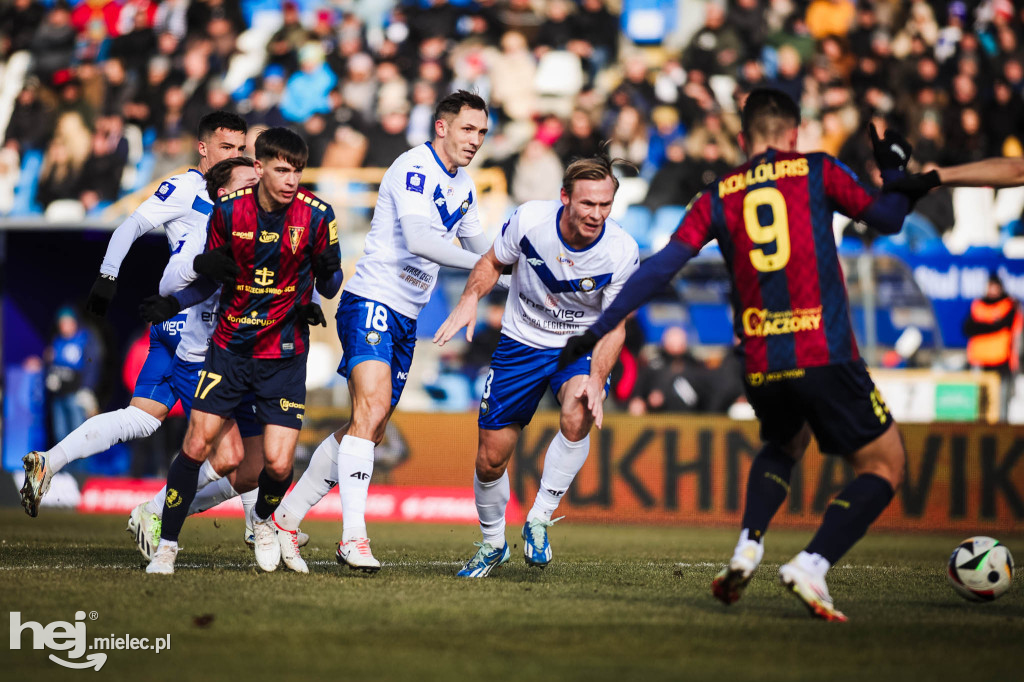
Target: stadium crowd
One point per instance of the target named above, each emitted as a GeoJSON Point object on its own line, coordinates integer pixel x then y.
{"type": "Point", "coordinates": [112, 90]}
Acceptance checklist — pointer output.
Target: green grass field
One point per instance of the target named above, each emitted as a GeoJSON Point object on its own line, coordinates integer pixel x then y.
{"type": "Point", "coordinates": [617, 603]}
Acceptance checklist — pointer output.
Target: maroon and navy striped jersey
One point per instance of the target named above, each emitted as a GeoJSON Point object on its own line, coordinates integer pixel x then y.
{"type": "Point", "coordinates": [275, 253]}
{"type": "Point", "coordinates": [772, 218]}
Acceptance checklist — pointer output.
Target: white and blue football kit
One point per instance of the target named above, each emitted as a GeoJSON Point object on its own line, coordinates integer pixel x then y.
{"type": "Point", "coordinates": [182, 205]}
{"type": "Point", "coordinates": [181, 377]}
{"type": "Point", "coordinates": [377, 314]}
{"type": "Point", "coordinates": [556, 292]}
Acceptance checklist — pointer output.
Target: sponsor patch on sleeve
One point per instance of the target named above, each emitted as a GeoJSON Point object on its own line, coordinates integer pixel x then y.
{"type": "Point", "coordinates": [164, 190]}
{"type": "Point", "coordinates": [414, 181]}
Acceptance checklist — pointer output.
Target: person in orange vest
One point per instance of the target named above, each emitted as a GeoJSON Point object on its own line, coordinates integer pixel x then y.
{"type": "Point", "coordinates": [993, 330]}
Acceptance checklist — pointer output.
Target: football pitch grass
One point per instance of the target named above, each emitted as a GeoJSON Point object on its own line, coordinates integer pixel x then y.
{"type": "Point", "coordinates": [617, 603]}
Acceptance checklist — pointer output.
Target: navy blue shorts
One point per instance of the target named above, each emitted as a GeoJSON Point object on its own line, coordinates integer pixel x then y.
{"type": "Point", "coordinates": [153, 380]}
{"type": "Point", "coordinates": [275, 386]}
{"type": "Point", "coordinates": [183, 378]}
{"type": "Point", "coordinates": [840, 403]}
{"type": "Point", "coordinates": [370, 330]}
{"type": "Point", "coordinates": [517, 379]}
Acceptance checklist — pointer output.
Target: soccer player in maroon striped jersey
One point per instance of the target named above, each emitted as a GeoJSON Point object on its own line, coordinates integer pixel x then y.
{"type": "Point", "coordinates": [772, 218]}
{"type": "Point", "coordinates": [266, 245]}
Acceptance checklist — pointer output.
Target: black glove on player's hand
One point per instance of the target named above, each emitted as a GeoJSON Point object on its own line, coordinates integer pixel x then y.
{"type": "Point", "coordinates": [892, 152]}
{"type": "Point", "coordinates": [101, 294]}
{"type": "Point", "coordinates": [576, 347]}
{"type": "Point", "coordinates": [156, 309]}
{"type": "Point", "coordinates": [311, 314]}
{"type": "Point", "coordinates": [217, 264]}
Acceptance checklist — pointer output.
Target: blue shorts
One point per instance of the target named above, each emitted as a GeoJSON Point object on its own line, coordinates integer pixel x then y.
{"type": "Point", "coordinates": [184, 380]}
{"type": "Point", "coordinates": [276, 387]}
{"type": "Point", "coordinates": [369, 330]}
{"type": "Point", "coordinates": [153, 381]}
{"type": "Point", "coordinates": [517, 379]}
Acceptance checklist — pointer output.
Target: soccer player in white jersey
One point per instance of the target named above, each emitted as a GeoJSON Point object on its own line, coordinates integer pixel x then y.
{"type": "Point", "coordinates": [182, 205]}
{"type": "Point", "coordinates": [426, 200]}
{"type": "Point", "coordinates": [570, 262]}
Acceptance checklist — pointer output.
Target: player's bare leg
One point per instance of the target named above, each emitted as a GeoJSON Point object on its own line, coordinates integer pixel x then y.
{"type": "Point", "coordinates": [140, 419]}
{"type": "Point", "coordinates": [370, 388]}
{"type": "Point", "coordinates": [879, 466]}
{"type": "Point", "coordinates": [563, 460]}
{"type": "Point", "coordinates": [767, 488]}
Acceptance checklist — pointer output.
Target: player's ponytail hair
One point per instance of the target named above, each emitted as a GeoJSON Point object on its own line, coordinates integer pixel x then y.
{"type": "Point", "coordinates": [594, 168]}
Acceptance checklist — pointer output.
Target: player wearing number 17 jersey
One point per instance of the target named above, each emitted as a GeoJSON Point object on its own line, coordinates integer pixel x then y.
{"type": "Point", "coordinates": [772, 218]}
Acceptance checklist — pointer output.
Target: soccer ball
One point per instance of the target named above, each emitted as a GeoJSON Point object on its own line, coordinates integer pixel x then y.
{"type": "Point", "coordinates": [980, 569]}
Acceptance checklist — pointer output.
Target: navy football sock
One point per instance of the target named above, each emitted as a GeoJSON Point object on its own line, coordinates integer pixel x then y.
{"type": "Point", "coordinates": [182, 481]}
{"type": "Point", "coordinates": [767, 487]}
{"type": "Point", "coordinates": [270, 493]}
{"type": "Point", "coordinates": [849, 515]}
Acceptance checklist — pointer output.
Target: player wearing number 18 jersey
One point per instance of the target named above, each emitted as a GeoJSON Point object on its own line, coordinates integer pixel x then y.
{"type": "Point", "coordinates": [772, 218]}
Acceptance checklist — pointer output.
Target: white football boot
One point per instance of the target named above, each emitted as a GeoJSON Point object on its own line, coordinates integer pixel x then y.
{"type": "Point", "coordinates": [144, 527]}
{"type": "Point", "coordinates": [356, 555]}
{"type": "Point", "coordinates": [289, 541]}
{"type": "Point", "coordinates": [163, 560]}
{"type": "Point", "coordinates": [728, 585]}
{"type": "Point", "coordinates": [265, 544]}
{"type": "Point", "coordinates": [809, 587]}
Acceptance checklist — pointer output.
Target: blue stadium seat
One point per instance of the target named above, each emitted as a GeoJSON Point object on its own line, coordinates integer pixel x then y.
{"type": "Point", "coordinates": [666, 220]}
{"type": "Point", "coordinates": [648, 22]}
{"type": "Point", "coordinates": [28, 181]}
{"type": "Point", "coordinates": [637, 223]}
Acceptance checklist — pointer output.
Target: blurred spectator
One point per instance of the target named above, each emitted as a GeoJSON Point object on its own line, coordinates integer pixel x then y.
{"type": "Point", "coordinates": [538, 173]}
{"type": "Point", "coordinates": [171, 18]}
{"type": "Point", "coordinates": [283, 48]}
{"type": "Point", "coordinates": [519, 16]}
{"type": "Point", "coordinates": [386, 141]}
{"type": "Point", "coordinates": [421, 118]}
{"type": "Point", "coordinates": [101, 174]}
{"type": "Point", "coordinates": [136, 42]}
{"type": "Point", "coordinates": [202, 12]}
{"type": "Point", "coordinates": [557, 29]}
{"type": "Point", "coordinates": [18, 23]}
{"type": "Point", "coordinates": [64, 161]}
{"type": "Point", "coordinates": [636, 88]}
{"type": "Point", "coordinates": [628, 139]}
{"type": "Point", "coordinates": [596, 36]}
{"type": "Point", "coordinates": [512, 75]}
{"type": "Point", "coordinates": [74, 360]}
{"type": "Point", "coordinates": [1004, 118]}
{"type": "Point", "coordinates": [31, 122]}
{"type": "Point", "coordinates": [307, 89]}
{"type": "Point", "coordinates": [716, 48]}
{"type": "Point", "coordinates": [993, 330]}
{"type": "Point", "coordinates": [53, 44]}
{"type": "Point", "coordinates": [674, 381]}
{"type": "Point", "coordinates": [580, 140]}
{"type": "Point", "coordinates": [392, 90]}
{"type": "Point", "coordinates": [676, 182]}
{"type": "Point", "coordinates": [666, 130]}
{"type": "Point", "coordinates": [359, 88]}
{"type": "Point", "coordinates": [318, 135]}
{"type": "Point", "coordinates": [747, 18]}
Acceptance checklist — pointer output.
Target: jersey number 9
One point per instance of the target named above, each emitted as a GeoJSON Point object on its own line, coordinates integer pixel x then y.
{"type": "Point", "coordinates": [777, 231]}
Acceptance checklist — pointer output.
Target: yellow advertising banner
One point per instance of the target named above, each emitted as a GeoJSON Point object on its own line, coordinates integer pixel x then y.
{"type": "Point", "coordinates": [691, 470]}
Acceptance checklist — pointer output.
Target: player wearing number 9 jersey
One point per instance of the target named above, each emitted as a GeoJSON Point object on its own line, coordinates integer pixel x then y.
{"type": "Point", "coordinates": [772, 218]}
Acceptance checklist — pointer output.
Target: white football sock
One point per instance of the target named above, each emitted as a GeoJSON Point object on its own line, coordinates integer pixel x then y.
{"type": "Point", "coordinates": [563, 461]}
{"type": "Point", "coordinates": [211, 495]}
{"type": "Point", "coordinates": [318, 479]}
{"type": "Point", "coordinates": [98, 433]}
{"type": "Point", "coordinates": [491, 499]}
{"type": "Point", "coordinates": [207, 475]}
{"type": "Point", "coordinates": [249, 501]}
{"type": "Point", "coordinates": [355, 467]}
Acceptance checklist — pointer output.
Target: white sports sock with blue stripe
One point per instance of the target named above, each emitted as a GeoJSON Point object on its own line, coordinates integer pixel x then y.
{"type": "Point", "coordinates": [562, 462]}
{"type": "Point", "coordinates": [491, 499]}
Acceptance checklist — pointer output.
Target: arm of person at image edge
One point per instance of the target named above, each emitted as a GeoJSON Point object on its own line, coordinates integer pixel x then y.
{"type": "Point", "coordinates": [884, 212]}
{"type": "Point", "coordinates": [161, 207]}
{"type": "Point", "coordinates": [996, 172]}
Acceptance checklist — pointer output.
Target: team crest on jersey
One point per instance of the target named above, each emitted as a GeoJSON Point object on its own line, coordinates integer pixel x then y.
{"type": "Point", "coordinates": [332, 232]}
{"type": "Point", "coordinates": [163, 191]}
{"type": "Point", "coordinates": [294, 235]}
{"type": "Point", "coordinates": [268, 237]}
{"type": "Point", "coordinates": [373, 337]}
{"type": "Point", "coordinates": [587, 284]}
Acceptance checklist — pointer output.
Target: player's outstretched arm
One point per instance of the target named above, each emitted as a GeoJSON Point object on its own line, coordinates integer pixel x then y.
{"type": "Point", "coordinates": [425, 243]}
{"type": "Point", "coordinates": [481, 280]}
{"type": "Point", "coordinates": [105, 286]}
{"type": "Point", "coordinates": [996, 172]}
{"type": "Point", "coordinates": [606, 352]}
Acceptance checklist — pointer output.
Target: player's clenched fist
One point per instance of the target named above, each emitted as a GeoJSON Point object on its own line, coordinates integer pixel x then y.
{"type": "Point", "coordinates": [217, 264]}
{"type": "Point", "coordinates": [157, 309]}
